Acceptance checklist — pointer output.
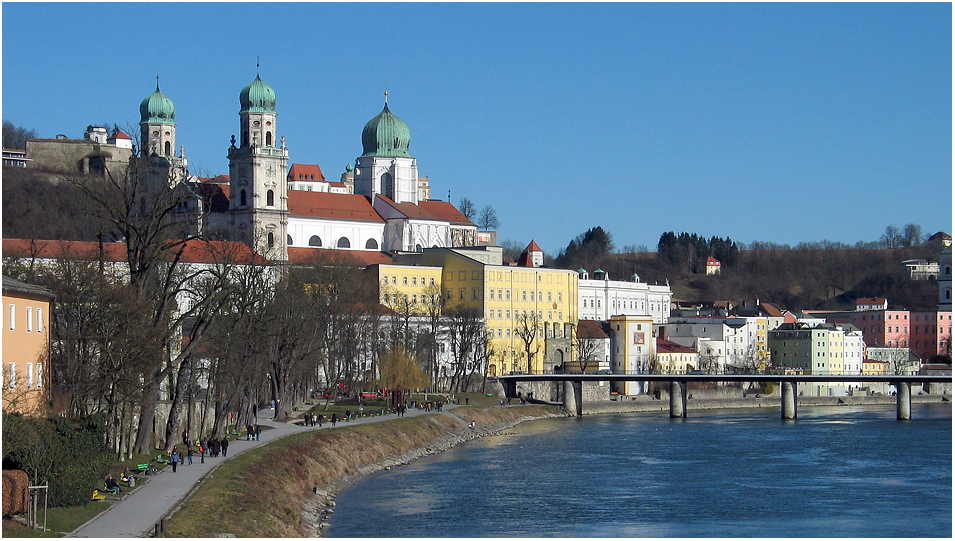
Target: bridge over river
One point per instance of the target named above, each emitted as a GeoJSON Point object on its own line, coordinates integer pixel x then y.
{"type": "Point", "coordinates": [678, 384]}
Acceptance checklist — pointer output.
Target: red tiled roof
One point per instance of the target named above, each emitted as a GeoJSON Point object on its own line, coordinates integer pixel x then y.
{"type": "Point", "coordinates": [357, 258]}
{"type": "Point", "coordinates": [666, 346]}
{"type": "Point", "coordinates": [305, 172]}
{"type": "Point", "coordinates": [194, 251]}
{"type": "Point", "coordinates": [218, 179]}
{"type": "Point", "coordinates": [710, 260]}
{"type": "Point", "coordinates": [336, 184]}
{"type": "Point", "coordinates": [216, 196]}
{"type": "Point", "coordinates": [589, 329]}
{"type": "Point", "coordinates": [120, 135]}
{"type": "Point", "coordinates": [429, 210]}
{"type": "Point", "coordinates": [868, 300]}
{"type": "Point", "coordinates": [533, 247]}
{"type": "Point", "coordinates": [336, 206]}
{"type": "Point", "coordinates": [444, 210]}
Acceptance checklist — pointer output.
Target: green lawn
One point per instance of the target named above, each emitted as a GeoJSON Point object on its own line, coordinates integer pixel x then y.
{"type": "Point", "coordinates": [59, 520]}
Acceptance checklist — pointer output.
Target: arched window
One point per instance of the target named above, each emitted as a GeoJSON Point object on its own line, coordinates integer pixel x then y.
{"type": "Point", "coordinates": [268, 138]}
{"type": "Point", "coordinates": [343, 243]}
{"type": "Point", "coordinates": [315, 241]}
{"type": "Point", "coordinates": [417, 248]}
{"type": "Point", "coordinates": [372, 244]}
{"type": "Point", "coordinates": [270, 198]}
{"type": "Point", "coordinates": [270, 240]}
{"type": "Point", "coordinates": [242, 200]}
{"type": "Point", "coordinates": [388, 185]}
{"type": "Point", "coordinates": [168, 148]}
{"type": "Point", "coordinates": [289, 240]}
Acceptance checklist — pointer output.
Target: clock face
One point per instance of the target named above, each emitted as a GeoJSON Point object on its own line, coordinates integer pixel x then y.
{"type": "Point", "coordinates": [270, 171]}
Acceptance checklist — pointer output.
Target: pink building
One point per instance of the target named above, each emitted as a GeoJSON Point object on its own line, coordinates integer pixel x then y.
{"type": "Point", "coordinates": [931, 334]}
{"type": "Point", "coordinates": [883, 328]}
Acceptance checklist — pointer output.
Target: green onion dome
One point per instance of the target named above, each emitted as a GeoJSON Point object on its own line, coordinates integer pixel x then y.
{"type": "Point", "coordinates": [157, 108]}
{"type": "Point", "coordinates": [386, 135]}
{"type": "Point", "coordinates": [257, 97]}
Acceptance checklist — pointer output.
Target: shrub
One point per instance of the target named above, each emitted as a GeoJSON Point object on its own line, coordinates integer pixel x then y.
{"type": "Point", "coordinates": [67, 454]}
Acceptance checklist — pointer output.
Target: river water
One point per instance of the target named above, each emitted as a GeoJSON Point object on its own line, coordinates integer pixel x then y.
{"type": "Point", "coordinates": [835, 472]}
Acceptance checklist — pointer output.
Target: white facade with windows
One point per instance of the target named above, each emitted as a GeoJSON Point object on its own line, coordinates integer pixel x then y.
{"type": "Point", "coordinates": [600, 299]}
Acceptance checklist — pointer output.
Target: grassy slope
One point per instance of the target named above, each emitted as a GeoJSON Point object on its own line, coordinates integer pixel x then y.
{"type": "Point", "coordinates": [262, 492]}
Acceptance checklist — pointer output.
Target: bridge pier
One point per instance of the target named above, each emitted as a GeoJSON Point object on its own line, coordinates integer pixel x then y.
{"type": "Point", "coordinates": [903, 401]}
{"type": "Point", "coordinates": [789, 400]}
{"type": "Point", "coordinates": [572, 397]}
{"type": "Point", "coordinates": [677, 399]}
{"type": "Point", "coordinates": [510, 388]}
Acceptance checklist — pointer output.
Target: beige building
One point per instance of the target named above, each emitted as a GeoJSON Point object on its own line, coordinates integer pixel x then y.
{"type": "Point", "coordinates": [26, 347]}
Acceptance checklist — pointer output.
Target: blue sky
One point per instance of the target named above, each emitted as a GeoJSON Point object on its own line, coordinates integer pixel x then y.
{"type": "Point", "coordinates": [773, 122]}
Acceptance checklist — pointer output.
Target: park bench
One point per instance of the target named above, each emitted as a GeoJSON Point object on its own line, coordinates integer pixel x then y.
{"type": "Point", "coordinates": [162, 460]}
{"type": "Point", "coordinates": [146, 469]}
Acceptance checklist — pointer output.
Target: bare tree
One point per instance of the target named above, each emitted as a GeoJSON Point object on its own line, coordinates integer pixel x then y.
{"type": "Point", "coordinates": [528, 329]}
{"type": "Point", "coordinates": [587, 354]}
{"type": "Point", "coordinates": [488, 219]}
{"type": "Point", "coordinates": [467, 208]}
{"type": "Point", "coordinates": [892, 238]}
{"type": "Point", "coordinates": [465, 327]}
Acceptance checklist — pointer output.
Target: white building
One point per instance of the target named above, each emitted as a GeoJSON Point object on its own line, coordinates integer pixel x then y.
{"type": "Point", "coordinates": [721, 341]}
{"type": "Point", "coordinates": [600, 298]}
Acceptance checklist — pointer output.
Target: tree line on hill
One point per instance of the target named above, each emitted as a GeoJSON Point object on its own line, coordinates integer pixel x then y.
{"type": "Point", "coordinates": [810, 275]}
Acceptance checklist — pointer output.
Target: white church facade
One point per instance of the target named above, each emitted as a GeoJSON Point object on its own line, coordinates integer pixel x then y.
{"type": "Point", "coordinates": [379, 206]}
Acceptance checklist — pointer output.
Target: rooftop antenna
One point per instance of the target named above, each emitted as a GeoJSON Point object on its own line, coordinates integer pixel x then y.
{"type": "Point", "coordinates": [386, 93]}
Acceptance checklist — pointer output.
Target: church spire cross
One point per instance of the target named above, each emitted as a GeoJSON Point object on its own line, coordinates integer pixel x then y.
{"type": "Point", "coordinates": [386, 94]}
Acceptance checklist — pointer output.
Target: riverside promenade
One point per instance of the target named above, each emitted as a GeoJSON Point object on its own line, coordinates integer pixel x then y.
{"type": "Point", "coordinates": [137, 513]}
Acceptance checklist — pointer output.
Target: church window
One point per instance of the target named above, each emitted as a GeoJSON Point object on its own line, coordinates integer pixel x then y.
{"type": "Point", "coordinates": [315, 241]}
{"type": "Point", "coordinates": [270, 240]}
{"type": "Point", "coordinates": [288, 240]}
{"type": "Point", "coordinates": [168, 148]}
{"type": "Point", "coordinates": [372, 244]}
{"type": "Point", "coordinates": [344, 243]}
{"type": "Point", "coordinates": [242, 198]}
{"type": "Point", "coordinates": [268, 138]}
{"type": "Point", "coordinates": [388, 185]}
{"type": "Point", "coordinates": [417, 248]}
{"type": "Point", "coordinates": [270, 198]}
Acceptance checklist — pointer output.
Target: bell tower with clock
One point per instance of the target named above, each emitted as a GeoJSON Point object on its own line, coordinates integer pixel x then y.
{"type": "Point", "coordinates": [258, 198]}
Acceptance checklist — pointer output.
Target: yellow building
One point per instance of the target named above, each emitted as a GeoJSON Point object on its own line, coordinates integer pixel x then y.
{"type": "Point", "coordinates": [527, 308]}
{"type": "Point", "coordinates": [26, 346]}
{"type": "Point", "coordinates": [410, 289]}
{"type": "Point", "coordinates": [672, 358]}
{"type": "Point", "coordinates": [633, 348]}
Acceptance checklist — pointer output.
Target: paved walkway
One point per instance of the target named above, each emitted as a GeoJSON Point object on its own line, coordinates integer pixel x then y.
{"type": "Point", "coordinates": [136, 515]}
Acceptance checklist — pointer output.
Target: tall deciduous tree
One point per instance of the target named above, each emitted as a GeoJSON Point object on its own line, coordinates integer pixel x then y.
{"type": "Point", "coordinates": [467, 208]}
{"type": "Point", "coordinates": [488, 219]}
{"type": "Point", "coordinates": [528, 329]}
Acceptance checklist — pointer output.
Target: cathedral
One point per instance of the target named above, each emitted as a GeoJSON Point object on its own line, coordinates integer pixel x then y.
{"type": "Point", "coordinates": [380, 206]}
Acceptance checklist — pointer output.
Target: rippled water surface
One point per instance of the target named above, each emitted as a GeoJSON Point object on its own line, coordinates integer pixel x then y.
{"type": "Point", "coordinates": [835, 472]}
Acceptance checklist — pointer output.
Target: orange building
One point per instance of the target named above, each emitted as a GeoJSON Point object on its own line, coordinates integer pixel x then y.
{"type": "Point", "coordinates": [26, 346]}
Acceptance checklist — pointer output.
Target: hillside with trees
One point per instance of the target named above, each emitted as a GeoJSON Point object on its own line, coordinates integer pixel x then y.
{"type": "Point", "coordinates": [813, 275]}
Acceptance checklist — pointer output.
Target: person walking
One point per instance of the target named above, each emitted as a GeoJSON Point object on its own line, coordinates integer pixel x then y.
{"type": "Point", "coordinates": [189, 455]}
{"type": "Point", "coordinates": [334, 419]}
{"type": "Point", "coordinates": [174, 459]}
{"type": "Point", "coordinates": [258, 432]}
{"type": "Point", "coordinates": [202, 452]}
{"type": "Point", "coordinates": [321, 419]}
{"type": "Point", "coordinates": [225, 446]}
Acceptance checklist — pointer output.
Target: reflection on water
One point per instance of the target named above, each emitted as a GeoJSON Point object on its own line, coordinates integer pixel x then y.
{"type": "Point", "coordinates": [835, 472]}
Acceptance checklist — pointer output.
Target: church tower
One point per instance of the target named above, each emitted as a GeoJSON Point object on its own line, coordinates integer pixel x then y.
{"type": "Point", "coordinates": [157, 125]}
{"type": "Point", "coordinates": [386, 167]}
{"type": "Point", "coordinates": [258, 199]}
